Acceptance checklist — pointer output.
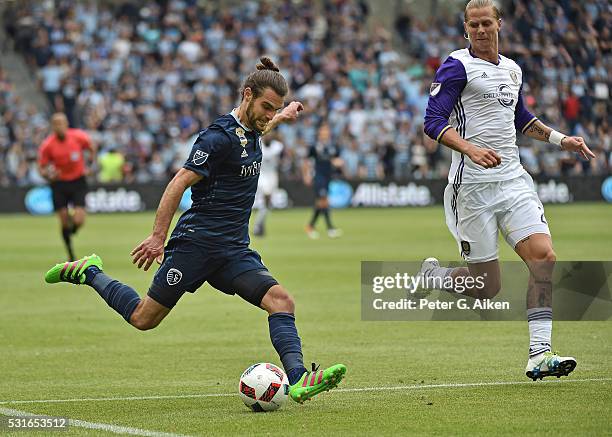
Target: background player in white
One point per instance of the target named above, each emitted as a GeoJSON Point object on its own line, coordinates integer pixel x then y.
{"type": "Point", "coordinates": [272, 149]}
{"type": "Point", "coordinates": [475, 107]}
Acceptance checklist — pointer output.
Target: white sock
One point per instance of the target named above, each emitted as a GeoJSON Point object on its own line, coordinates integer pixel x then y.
{"type": "Point", "coordinates": [439, 275]}
{"type": "Point", "coordinates": [261, 216]}
{"type": "Point", "coordinates": [540, 330]}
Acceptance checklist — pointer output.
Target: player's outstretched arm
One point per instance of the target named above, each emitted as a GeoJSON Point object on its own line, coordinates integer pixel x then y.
{"type": "Point", "coordinates": [539, 131]}
{"type": "Point", "coordinates": [287, 115]}
{"type": "Point", "coordinates": [153, 246]}
{"type": "Point", "coordinates": [486, 158]}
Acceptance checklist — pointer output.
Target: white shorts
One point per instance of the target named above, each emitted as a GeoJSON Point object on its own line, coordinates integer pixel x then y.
{"type": "Point", "coordinates": [475, 212]}
{"type": "Point", "coordinates": [268, 184]}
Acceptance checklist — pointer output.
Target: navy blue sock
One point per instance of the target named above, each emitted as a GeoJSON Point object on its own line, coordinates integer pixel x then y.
{"type": "Point", "coordinates": [327, 218]}
{"type": "Point", "coordinates": [120, 297]}
{"type": "Point", "coordinates": [286, 341]}
{"type": "Point", "coordinates": [66, 235]}
{"type": "Point", "coordinates": [315, 216]}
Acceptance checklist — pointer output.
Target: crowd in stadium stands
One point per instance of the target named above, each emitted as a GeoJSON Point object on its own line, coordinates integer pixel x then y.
{"type": "Point", "coordinates": [142, 79]}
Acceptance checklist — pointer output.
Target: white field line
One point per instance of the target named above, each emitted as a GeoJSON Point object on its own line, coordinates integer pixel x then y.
{"type": "Point", "coordinates": [339, 390]}
{"type": "Point", "coordinates": [99, 426]}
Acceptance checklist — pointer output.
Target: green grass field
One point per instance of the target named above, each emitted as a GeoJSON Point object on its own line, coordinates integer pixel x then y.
{"type": "Point", "coordinates": [62, 342]}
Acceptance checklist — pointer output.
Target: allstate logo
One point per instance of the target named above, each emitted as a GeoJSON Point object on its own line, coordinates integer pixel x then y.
{"type": "Point", "coordinates": [606, 189]}
{"type": "Point", "coordinates": [39, 201]}
{"type": "Point", "coordinates": [185, 200]}
{"type": "Point", "coordinates": [340, 194]}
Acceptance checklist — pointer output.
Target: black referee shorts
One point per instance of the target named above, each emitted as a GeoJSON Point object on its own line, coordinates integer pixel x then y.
{"type": "Point", "coordinates": [69, 192]}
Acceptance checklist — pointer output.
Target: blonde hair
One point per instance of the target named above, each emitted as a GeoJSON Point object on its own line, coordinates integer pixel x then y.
{"type": "Point", "coordinates": [477, 4]}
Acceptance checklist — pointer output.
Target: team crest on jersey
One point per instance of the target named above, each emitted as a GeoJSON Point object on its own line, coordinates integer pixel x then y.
{"type": "Point", "coordinates": [174, 276]}
{"type": "Point", "coordinates": [241, 136]}
{"type": "Point", "coordinates": [514, 77]}
{"type": "Point", "coordinates": [434, 89]}
{"type": "Point", "coordinates": [199, 157]}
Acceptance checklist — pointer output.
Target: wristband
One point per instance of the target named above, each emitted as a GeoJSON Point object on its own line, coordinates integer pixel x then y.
{"type": "Point", "coordinates": [556, 138]}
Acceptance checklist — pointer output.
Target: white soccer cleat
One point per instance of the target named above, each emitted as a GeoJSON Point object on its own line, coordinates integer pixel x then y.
{"type": "Point", "coordinates": [549, 364]}
{"type": "Point", "coordinates": [423, 290]}
{"type": "Point", "coordinates": [334, 233]}
{"type": "Point", "coordinates": [427, 269]}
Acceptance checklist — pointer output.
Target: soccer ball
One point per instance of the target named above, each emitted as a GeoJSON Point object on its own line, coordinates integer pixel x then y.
{"type": "Point", "coordinates": [263, 387]}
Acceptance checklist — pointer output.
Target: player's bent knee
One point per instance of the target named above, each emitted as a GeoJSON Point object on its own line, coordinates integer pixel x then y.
{"type": "Point", "coordinates": [144, 317]}
{"type": "Point", "coordinates": [278, 300]}
{"type": "Point", "coordinates": [143, 323]}
{"type": "Point", "coordinates": [549, 256]}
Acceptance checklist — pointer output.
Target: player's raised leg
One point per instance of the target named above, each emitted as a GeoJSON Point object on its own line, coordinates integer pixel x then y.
{"type": "Point", "coordinates": [442, 278]}
{"type": "Point", "coordinates": [537, 252]}
{"type": "Point", "coordinates": [143, 314]}
{"type": "Point", "coordinates": [304, 384]}
{"type": "Point", "coordinates": [473, 224]}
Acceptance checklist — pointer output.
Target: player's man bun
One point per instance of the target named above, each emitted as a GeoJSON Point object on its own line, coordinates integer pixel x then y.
{"type": "Point", "coordinates": [267, 75]}
{"type": "Point", "coordinates": [267, 64]}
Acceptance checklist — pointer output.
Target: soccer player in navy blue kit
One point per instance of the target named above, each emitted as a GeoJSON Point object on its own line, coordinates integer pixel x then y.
{"type": "Point", "coordinates": [210, 242]}
{"type": "Point", "coordinates": [326, 158]}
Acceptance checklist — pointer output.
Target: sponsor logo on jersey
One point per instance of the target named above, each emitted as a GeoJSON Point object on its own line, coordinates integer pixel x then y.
{"type": "Point", "coordinates": [174, 276]}
{"type": "Point", "coordinates": [252, 169]}
{"type": "Point", "coordinates": [199, 157]}
{"type": "Point", "coordinates": [244, 154]}
{"type": "Point", "coordinates": [434, 89]}
{"type": "Point", "coordinates": [504, 95]}
{"type": "Point", "coordinates": [484, 75]}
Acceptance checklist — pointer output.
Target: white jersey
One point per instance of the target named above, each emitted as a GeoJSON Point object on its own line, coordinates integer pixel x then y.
{"type": "Point", "coordinates": [483, 103]}
{"type": "Point", "coordinates": [271, 157]}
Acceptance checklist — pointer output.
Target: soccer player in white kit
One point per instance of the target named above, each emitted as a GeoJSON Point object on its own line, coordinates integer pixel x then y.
{"type": "Point", "coordinates": [268, 180]}
{"type": "Point", "coordinates": [475, 108]}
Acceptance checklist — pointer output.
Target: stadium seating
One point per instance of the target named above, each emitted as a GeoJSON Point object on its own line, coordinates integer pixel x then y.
{"type": "Point", "coordinates": [142, 79]}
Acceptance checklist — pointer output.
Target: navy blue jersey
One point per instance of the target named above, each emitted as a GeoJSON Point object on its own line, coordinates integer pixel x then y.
{"type": "Point", "coordinates": [323, 155]}
{"type": "Point", "coordinates": [228, 156]}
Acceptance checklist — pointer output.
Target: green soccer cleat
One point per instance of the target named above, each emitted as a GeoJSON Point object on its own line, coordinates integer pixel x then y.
{"type": "Point", "coordinates": [549, 364]}
{"type": "Point", "coordinates": [317, 381]}
{"type": "Point", "coordinates": [72, 271]}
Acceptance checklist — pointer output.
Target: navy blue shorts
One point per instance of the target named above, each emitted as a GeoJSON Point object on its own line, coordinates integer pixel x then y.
{"type": "Point", "coordinates": [188, 265]}
{"type": "Point", "coordinates": [321, 186]}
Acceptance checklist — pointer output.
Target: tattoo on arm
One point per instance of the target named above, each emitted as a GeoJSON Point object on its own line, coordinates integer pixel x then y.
{"type": "Point", "coordinates": [536, 130]}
